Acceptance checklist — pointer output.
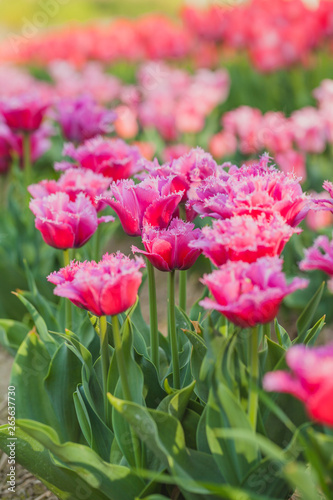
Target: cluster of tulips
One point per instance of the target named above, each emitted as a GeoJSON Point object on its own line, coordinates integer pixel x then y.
{"type": "Point", "coordinates": [224, 403]}
{"type": "Point", "coordinates": [252, 212]}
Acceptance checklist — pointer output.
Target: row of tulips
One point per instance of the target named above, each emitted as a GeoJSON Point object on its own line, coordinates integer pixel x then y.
{"type": "Point", "coordinates": [284, 42]}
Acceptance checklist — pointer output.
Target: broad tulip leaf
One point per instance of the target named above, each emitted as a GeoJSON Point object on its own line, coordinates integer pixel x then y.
{"type": "Point", "coordinates": [37, 459]}
{"type": "Point", "coordinates": [61, 381]}
{"type": "Point", "coordinates": [96, 432]}
{"type": "Point", "coordinates": [114, 481]}
{"type": "Point", "coordinates": [30, 368]}
{"type": "Point", "coordinates": [163, 434]}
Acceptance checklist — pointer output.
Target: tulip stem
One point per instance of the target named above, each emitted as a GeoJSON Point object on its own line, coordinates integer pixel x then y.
{"type": "Point", "coordinates": [68, 304]}
{"type": "Point", "coordinates": [27, 160]}
{"type": "Point", "coordinates": [105, 359]}
{"type": "Point", "coordinates": [254, 376]}
{"type": "Point", "coordinates": [172, 330]}
{"type": "Point", "coordinates": [124, 383]}
{"type": "Point", "coordinates": [182, 289]}
{"type": "Point", "coordinates": [97, 245]}
{"type": "Point", "coordinates": [154, 341]}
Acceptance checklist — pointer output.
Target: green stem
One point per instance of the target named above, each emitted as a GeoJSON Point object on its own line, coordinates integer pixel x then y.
{"type": "Point", "coordinates": [68, 304]}
{"type": "Point", "coordinates": [97, 248]}
{"type": "Point", "coordinates": [182, 289]}
{"type": "Point", "coordinates": [172, 330]}
{"type": "Point", "coordinates": [267, 330]}
{"type": "Point", "coordinates": [154, 341]}
{"type": "Point", "coordinates": [27, 161]}
{"type": "Point", "coordinates": [254, 372]}
{"type": "Point", "coordinates": [124, 383]}
{"type": "Point", "coordinates": [105, 359]}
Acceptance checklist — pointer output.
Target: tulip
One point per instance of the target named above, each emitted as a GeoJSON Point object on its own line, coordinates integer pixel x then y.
{"type": "Point", "coordinates": [63, 223]}
{"type": "Point", "coordinates": [249, 294]}
{"type": "Point", "coordinates": [24, 113]}
{"type": "Point", "coordinates": [109, 286]}
{"type": "Point", "coordinates": [73, 182]}
{"type": "Point", "coordinates": [82, 118]}
{"type": "Point", "coordinates": [151, 202]}
{"type": "Point", "coordinates": [112, 158]}
{"type": "Point", "coordinates": [244, 238]}
{"type": "Point", "coordinates": [319, 256]}
{"type": "Point", "coordinates": [169, 249]}
{"type": "Point", "coordinates": [310, 380]}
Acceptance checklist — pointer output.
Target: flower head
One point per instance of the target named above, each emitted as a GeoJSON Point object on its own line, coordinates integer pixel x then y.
{"type": "Point", "coordinates": [168, 249]}
{"type": "Point", "coordinates": [252, 189]}
{"type": "Point", "coordinates": [319, 256]}
{"type": "Point", "coordinates": [109, 286]}
{"type": "Point", "coordinates": [64, 223]}
{"type": "Point", "coordinates": [152, 201]}
{"type": "Point", "coordinates": [310, 380]}
{"type": "Point", "coordinates": [244, 238]}
{"type": "Point", "coordinates": [82, 118]}
{"type": "Point", "coordinates": [73, 182]}
{"type": "Point", "coordinates": [24, 113]}
{"type": "Point", "coordinates": [112, 158]}
{"type": "Point", "coordinates": [249, 294]}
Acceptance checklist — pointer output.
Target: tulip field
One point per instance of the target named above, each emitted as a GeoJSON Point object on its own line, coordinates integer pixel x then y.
{"type": "Point", "coordinates": [166, 320]}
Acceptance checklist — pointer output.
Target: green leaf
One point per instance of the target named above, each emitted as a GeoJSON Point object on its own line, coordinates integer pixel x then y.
{"type": "Point", "coordinates": [303, 479]}
{"type": "Point", "coordinates": [37, 459]}
{"type": "Point", "coordinates": [50, 344]}
{"type": "Point", "coordinates": [310, 337]}
{"type": "Point", "coordinates": [282, 335]}
{"type": "Point", "coordinates": [234, 458]}
{"type": "Point", "coordinates": [164, 435]}
{"type": "Point", "coordinates": [60, 383]}
{"type": "Point", "coordinates": [97, 434]}
{"type": "Point", "coordinates": [12, 334]}
{"type": "Point", "coordinates": [30, 368]}
{"type": "Point", "coordinates": [113, 481]}
{"type": "Point", "coordinates": [176, 403]}
{"type": "Point", "coordinates": [306, 317]}
{"type": "Point", "coordinates": [275, 355]}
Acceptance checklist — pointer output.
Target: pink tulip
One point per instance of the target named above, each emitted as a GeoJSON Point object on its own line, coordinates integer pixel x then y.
{"type": "Point", "coordinates": [112, 158]}
{"type": "Point", "coordinates": [24, 113]}
{"type": "Point", "coordinates": [223, 144]}
{"type": "Point", "coordinates": [310, 380]}
{"type": "Point", "coordinates": [82, 118]}
{"type": "Point", "coordinates": [152, 201]}
{"type": "Point", "coordinates": [73, 182]}
{"type": "Point", "coordinates": [319, 256]}
{"type": "Point", "coordinates": [109, 286]}
{"type": "Point", "coordinates": [64, 223]}
{"type": "Point", "coordinates": [188, 170]}
{"type": "Point", "coordinates": [169, 249]}
{"type": "Point", "coordinates": [244, 238]}
{"type": "Point", "coordinates": [252, 189]}
{"type": "Point", "coordinates": [249, 294]}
